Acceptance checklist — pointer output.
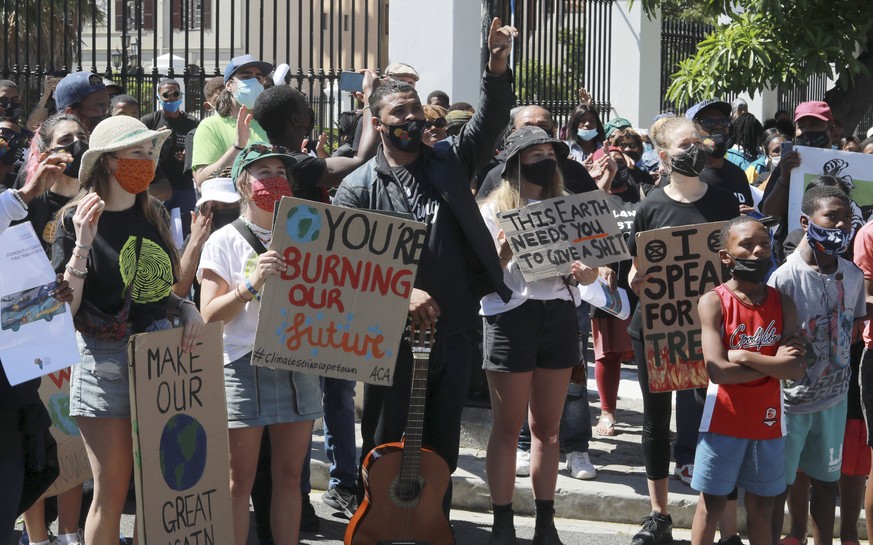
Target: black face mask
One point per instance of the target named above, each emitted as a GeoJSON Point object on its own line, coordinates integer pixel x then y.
{"type": "Point", "coordinates": [621, 176]}
{"type": "Point", "coordinates": [11, 144]}
{"type": "Point", "coordinates": [540, 173]}
{"type": "Point", "coordinates": [11, 109]}
{"type": "Point", "coordinates": [223, 217]}
{"type": "Point", "coordinates": [813, 139]}
{"type": "Point", "coordinates": [690, 162]}
{"type": "Point", "coordinates": [752, 270]}
{"type": "Point", "coordinates": [635, 155]}
{"type": "Point", "coordinates": [720, 145]}
{"type": "Point", "coordinates": [407, 136]}
{"type": "Point", "coordinates": [77, 149]}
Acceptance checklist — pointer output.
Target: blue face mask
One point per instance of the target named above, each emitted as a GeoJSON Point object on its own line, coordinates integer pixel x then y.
{"type": "Point", "coordinates": [827, 241]}
{"type": "Point", "coordinates": [171, 107]}
{"type": "Point", "coordinates": [587, 134]}
{"type": "Point", "coordinates": [247, 92]}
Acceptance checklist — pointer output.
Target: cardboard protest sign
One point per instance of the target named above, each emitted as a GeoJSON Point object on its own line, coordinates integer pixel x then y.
{"type": "Point", "coordinates": [339, 309]}
{"type": "Point", "coordinates": [54, 391]}
{"type": "Point", "coordinates": [853, 169]}
{"type": "Point", "coordinates": [684, 264]}
{"type": "Point", "coordinates": [548, 236]}
{"type": "Point", "coordinates": [180, 444]}
{"type": "Point", "coordinates": [29, 313]}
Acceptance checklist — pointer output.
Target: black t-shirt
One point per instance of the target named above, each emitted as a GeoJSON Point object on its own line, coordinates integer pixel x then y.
{"type": "Point", "coordinates": [658, 211]}
{"type": "Point", "coordinates": [173, 167]}
{"type": "Point", "coordinates": [424, 201]}
{"type": "Point", "coordinates": [41, 214]}
{"type": "Point", "coordinates": [731, 178]}
{"type": "Point", "coordinates": [113, 263]}
{"type": "Point", "coordinates": [624, 208]}
{"type": "Point", "coordinates": [576, 178]}
{"type": "Point", "coordinates": [307, 172]}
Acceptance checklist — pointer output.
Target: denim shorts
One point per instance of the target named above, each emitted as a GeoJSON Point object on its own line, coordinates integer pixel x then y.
{"type": "Point", "coordinates": [99, 385]}
{"type": "Point", "coordinates": [260, 396]}
{"type": "Point", "coordinates": [722, 463]}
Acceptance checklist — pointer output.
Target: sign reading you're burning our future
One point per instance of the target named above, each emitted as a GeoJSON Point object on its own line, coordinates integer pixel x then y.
{"type": "Point", "coordinates": [683, 263]}
{"type": "Point", "coordinates": [548, 236]}
{"type": "Point", "coordinates": [340, 307]}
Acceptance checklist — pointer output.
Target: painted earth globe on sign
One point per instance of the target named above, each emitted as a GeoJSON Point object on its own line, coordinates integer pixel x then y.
{"type": "Point", "coordinates": [183, 452]}
{"type": "Point", "coordinates": [304, 223]}
{"type": "Point", "coordinates": [59, 410]}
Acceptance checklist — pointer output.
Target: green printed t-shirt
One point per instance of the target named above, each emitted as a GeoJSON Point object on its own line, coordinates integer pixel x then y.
{"type": "Point", "coordinates": [215, 135]}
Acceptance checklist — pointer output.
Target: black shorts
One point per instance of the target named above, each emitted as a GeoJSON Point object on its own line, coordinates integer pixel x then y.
{"type": "Point", "coordinates": [537, 334]}
{"type": "Point", "coordinates": [866, 382]}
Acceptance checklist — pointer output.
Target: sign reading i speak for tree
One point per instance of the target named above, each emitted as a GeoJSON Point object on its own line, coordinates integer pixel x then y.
{"type": "Point", "coordinates": [548, 236]}
{"type": "Point", "coordinates": [683, 263]}
{"type": "Point", "coordinates": [340, 307]}
{"type": "Point", "coordinates": [180, 451]}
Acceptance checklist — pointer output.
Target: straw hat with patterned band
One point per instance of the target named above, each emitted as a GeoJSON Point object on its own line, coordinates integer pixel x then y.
{"type": "Point", "coordinates": [114, 134]}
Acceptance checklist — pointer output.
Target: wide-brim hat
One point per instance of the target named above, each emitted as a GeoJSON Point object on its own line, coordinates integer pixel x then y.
{"type": "Point", "coordinates": [114, 134]}
{"type": "Point", "coordinates": [527, 136]}
{"type": "Point", "coordinates": [257, 151]}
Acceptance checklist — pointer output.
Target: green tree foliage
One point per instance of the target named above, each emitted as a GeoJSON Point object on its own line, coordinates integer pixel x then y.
{"type": "Point", "coordinates": [767, 42]}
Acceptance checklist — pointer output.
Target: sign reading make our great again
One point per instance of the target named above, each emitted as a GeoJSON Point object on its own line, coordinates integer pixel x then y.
{"type": "Point", "coordinates": [546, 237]}
{"type": "Point", "coordinates": [340, 307]}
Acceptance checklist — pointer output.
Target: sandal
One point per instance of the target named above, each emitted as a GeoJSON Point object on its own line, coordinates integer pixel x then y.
{"type": "Point", "coordinates": [791, 540]}
{"type": "Point", "coordinates": [605, 426]}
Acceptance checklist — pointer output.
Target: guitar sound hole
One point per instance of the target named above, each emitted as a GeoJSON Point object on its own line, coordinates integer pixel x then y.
{"type": "Point", "coordinates": [408, 491]}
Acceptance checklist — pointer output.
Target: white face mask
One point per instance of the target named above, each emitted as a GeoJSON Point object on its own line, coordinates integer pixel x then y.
{"type": "Point", "coordinates": [774, 161]}
{"type": "Point", "coordinates": [247, 92]}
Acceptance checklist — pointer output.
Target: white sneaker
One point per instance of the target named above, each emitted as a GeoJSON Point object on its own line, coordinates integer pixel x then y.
{"type": "Point", "coordinates": [522, 463]}
{"type": "Point", "coordinates": [580, 467]}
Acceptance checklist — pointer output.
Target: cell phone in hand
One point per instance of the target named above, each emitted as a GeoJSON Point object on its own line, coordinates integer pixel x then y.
{"type": "Point", "coordinates": [351, 82]}
{"type": "Point", "coordinates": [786, 147]}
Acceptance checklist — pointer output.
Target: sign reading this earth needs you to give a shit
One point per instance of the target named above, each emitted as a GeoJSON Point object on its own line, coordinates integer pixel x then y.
{"type": "Point", "coordinates": [340, 307]}
{"type": "Point", "coordinates": [180, 450]}
{"type": "Point", "coordinates": [546, 237]}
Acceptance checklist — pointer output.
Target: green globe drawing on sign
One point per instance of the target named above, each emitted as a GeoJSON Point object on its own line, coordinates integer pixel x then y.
{"type": "Point", "coordinates": [183, 452]}
{"type": "Point", "coordinates": [303, 224]}
{"type": "Point", "coordinates": [59, 410]}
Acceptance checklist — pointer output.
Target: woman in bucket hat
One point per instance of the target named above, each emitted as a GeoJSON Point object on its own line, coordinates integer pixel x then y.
{"type": "Point", "coordinates": [234, 267]}
{"type": "Point", "coordinates": [115, 249]}
{"type": "Point", "coordinates": [530, 344]}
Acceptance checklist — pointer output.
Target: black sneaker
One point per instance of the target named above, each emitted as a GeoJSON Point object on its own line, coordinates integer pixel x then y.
{"type": "Point", "coordinates": [341, 499]}
{"type": "Point", "coordinates": [657, 529]}
{"type": "Point", "coordinates": [733, 540]}
{"type": "Point", "coordinates": [309, 521]}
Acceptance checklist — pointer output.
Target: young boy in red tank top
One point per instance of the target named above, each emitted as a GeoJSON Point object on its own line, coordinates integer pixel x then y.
{"type": "Point", "coordinates": [750, 341]}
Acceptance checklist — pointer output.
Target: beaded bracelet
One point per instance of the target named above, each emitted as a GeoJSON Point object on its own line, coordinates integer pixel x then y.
{"type": "Point", "coordinates": [76, 272]}
{"type": "Point", "coordinates": [17, 195]}
{"type": "Point", "coordinates": [238, 294]}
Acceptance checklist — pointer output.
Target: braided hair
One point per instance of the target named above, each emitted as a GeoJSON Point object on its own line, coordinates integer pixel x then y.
{"type": "Point", "coordinates": [747, 135]}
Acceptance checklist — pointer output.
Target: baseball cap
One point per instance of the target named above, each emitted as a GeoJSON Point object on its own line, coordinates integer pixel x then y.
{"type": "Point", "coordinates": [260, 150]}
{"type": "Point", "coordinates": [617, 123]}
{"type": "Point", "coordinates": [401, 69]}
{"type": "Point", "coordinates": [457, 119]}
{"type": "Point", "coordinates": [245, 60]}
{"type": "Point", "coordinates": [75, 87]}
{"type": "Point", "coordinates": [218, 189]}
{"type": "Point", "coordinates": [698, 108]}
{"type": "Point", "coordinates": [815, 108]}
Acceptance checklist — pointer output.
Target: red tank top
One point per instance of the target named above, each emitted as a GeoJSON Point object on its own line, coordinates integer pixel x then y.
{"type": "Point", "coordinates": [751, 410]}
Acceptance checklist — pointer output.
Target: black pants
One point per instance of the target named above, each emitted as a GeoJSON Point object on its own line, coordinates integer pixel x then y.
{"type": "Point", "coordinates": [385, 407]}
{"type": "Point", "coordinates": [11, 472]}
{"type": "Point", "coordinates": [657, 410]}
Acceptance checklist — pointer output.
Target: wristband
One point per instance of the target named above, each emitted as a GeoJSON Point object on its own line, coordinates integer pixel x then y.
{"type": "Point", "coordinates": [252, 289]}
{"type": "Point", "coordinates": [82, 246]}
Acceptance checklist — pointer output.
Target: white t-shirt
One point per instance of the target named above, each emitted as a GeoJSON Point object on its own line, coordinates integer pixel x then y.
{"type": "Point", "coordinates": [230, 256]}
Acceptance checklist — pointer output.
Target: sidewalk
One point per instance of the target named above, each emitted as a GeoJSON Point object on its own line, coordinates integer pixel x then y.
{"type": "Point", "coordinates": [618, 494]}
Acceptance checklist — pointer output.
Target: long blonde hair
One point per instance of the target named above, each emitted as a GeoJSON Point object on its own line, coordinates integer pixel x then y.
{"type": "Point", "coordinates": [507, 195]}
{"type": "Point", "coordinates": [152, 210]}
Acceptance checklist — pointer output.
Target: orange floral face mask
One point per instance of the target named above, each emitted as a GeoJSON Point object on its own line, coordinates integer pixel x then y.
{"type": "Point", "coordinates": [135, 175]}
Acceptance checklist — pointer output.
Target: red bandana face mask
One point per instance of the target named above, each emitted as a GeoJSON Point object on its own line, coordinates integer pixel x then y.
{"type": "Point", "coordinates": [267, 192]}
{"type": "Point", "coordinates": [135, 175]}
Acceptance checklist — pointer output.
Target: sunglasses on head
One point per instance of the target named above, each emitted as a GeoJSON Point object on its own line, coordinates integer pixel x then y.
{"type": "Point", "coordinates": [438, 123]}
{"type": "Point", "coordinates": [171, 94]}
{"type": "Point", "coordinates": [263, 148]}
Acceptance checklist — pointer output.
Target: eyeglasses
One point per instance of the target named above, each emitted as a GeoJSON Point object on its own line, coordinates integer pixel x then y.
{"type": "Point", "coordinates": [171, 94]}
{"type": "Point", "coordinates": [438, 123]}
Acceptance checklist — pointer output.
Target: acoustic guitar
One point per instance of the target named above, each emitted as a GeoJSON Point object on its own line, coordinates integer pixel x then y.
{"type": "Point", "coordinates": [404, 483]}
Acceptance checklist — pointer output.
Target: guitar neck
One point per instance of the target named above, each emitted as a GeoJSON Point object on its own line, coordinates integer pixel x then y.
{"type": "Point", "coordinates": [411, 462]}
